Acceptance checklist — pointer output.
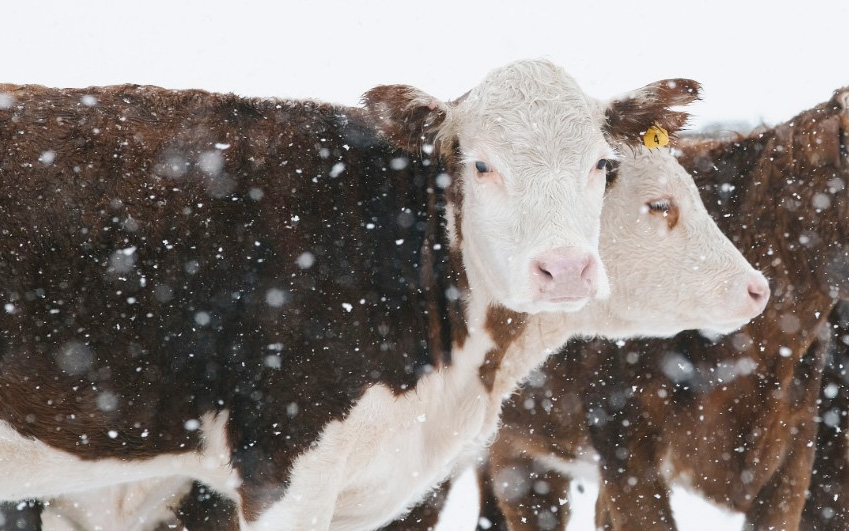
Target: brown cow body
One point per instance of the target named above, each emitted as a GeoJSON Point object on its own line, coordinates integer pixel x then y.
{"type": "Point", "coordinates": [734, 418]}
{"type": "Point", "coordinates": [177, 247]}
{"type": "Point", "coordinates": [304, 307]}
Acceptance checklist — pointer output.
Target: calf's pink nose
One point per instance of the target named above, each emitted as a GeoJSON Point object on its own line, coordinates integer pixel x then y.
{"type": "Point", "coordinates": [565, 273]}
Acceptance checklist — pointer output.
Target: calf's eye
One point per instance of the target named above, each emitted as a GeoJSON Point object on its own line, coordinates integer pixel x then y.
{"type": "Point", "coordinates": [602, 164]}
{"type": "Point", "coordinates": [482, 167]}
{"type": "Point", "coordinates": [661, 206]}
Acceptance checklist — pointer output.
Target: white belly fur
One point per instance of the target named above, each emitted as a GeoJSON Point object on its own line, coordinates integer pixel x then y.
{"type": "Point", "coordinates": [31, 469]}
{"type": "Point", "coordinates": [138, 506]}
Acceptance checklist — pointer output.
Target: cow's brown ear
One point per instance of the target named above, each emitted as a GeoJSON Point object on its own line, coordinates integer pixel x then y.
{"type": "Point", "coordinates": [629, 116]}
{"type": "Point", "coordinates": [407, 117]}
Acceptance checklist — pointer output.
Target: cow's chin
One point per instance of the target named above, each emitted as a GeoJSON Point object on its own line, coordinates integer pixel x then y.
{"type": "Point", "coordinates": [666, 326]}
{"type": "Point", "coordinates": [555, 305]}
{"type": "Point", "coordinates": [722, 329]}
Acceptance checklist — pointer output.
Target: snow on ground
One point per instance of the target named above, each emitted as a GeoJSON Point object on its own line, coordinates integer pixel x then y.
{"type": "Point", "coordinates": [692, 512]}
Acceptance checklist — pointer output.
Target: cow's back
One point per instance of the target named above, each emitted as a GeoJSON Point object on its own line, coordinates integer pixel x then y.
{"type": "Point", "coordinates": [158, 263]}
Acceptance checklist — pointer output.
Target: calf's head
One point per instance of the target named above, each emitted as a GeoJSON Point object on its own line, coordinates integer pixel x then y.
{"type": "Point", "coordinates": [671, 267]}
{"type": "Point", "coordinates": [526, 154]}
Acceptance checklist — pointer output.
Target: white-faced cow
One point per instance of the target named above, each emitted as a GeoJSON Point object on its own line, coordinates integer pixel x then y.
{"type": "Point", "coordinates": [734, 418]}
{"type": "Point", "coordinates": [654, 227]}
{"type": "Point", "coordinates": [670, 267]}
{"type": "Point", "coordinates": [302, 306]}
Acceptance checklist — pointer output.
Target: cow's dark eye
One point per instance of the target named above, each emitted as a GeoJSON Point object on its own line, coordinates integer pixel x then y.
{"type": "Point", "coordinates": [482, 167]}
{"type": "Point", "coordinates": [661, 206]}
{"type": "Point", "coordinates": [602, 164]}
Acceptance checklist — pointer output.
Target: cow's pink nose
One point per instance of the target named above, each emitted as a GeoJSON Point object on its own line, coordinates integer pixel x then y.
{"type": "Point", "coordinates": [759, 292]}
{"type": "Point", "coordinates": [566, 273]}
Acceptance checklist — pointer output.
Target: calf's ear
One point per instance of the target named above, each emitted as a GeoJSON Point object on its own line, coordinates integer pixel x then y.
{"type": "Point", "coordinates": [629, 116]}
{"type": "Point", "coordinates": [407, 117]}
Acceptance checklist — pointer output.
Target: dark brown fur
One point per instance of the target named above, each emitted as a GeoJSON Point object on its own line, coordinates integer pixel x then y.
{"type": "Point", "coordinates": [203, 508]}
{"type": "Point", "coordinates": [107, 353]}
{"type": "Point", "coordinates": [744, 438]}
{"type": "Point", "coordinates": [149, 260]}
{"type": "Point", "coordinates": [827, 507]}
{"type": "Point", "coordinates": [20, 516]}
{"type": "Point", "coordinates": [504, 326]}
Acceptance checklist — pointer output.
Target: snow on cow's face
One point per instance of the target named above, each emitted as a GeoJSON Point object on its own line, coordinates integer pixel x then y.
{"type": "Point", "coordinates": [533, 175]}
{"type": "Point", "coordinates": [671, 267]}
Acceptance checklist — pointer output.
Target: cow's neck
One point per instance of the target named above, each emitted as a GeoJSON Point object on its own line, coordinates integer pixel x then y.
{"type": "Point", "coordinates": [773, 236]}
{"type": "Point", "coordinates": [757, 207]}
{"type": "Point", "coordinates": [792, 319]}
{"type": "Point", "coordinates": [522, 342]}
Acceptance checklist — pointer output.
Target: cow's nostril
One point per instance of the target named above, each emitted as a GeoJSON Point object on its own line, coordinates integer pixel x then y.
{"type": "Point", "coordinates": [543, 272]}
{"type": "Point", "coordinates": [759, 291]}
{"type": "Point", "coordinates": [589, 273]}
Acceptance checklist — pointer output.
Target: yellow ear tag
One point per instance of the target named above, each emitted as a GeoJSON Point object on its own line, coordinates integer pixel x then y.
{"type": "Point", "coordinates": [656, 136]}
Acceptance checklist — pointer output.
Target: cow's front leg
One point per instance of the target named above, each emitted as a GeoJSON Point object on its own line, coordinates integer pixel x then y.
{"type": "Point", "coordinates": [632, 494]}
{"type": "Point", "coordinates": [306, 502]}
{"type": "Point", "coordinates": [530, 494]}
{"type": "Point", "coordinates": [780, 502]}
{"type": "Point", "coordinates": [294, 513]}
{"type": "Point", "coordinates": [302, 508]}
{"type": "Point", "coordinates": [641, 505]}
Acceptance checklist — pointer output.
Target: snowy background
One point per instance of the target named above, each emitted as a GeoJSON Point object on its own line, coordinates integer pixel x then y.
{"type": "Point", "coordinates": [758, 62]}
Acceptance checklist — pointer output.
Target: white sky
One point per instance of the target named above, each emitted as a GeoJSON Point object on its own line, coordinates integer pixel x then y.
{"type": "Point", "coordinates": [757, 60]}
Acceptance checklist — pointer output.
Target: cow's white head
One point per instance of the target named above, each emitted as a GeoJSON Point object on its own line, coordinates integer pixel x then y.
{"type": "Point", "coordinates": [670, 266]}
{"type": "Point", "coordinates": [526, 154]}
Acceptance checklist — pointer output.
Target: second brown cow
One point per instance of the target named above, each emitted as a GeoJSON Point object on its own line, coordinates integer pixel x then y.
{"type": "Point", "coordinates": [734, 418]}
